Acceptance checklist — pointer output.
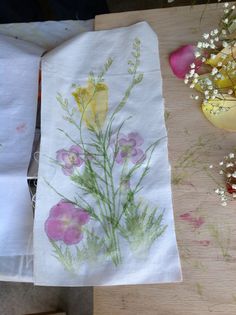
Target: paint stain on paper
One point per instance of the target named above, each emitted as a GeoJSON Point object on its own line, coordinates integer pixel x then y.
{"type": "Point", "coordinates": [21, 128]}
{"type": "Point", "coordinates": [202, 242]}
{"type": "Point", "coordinates": [199, 289]}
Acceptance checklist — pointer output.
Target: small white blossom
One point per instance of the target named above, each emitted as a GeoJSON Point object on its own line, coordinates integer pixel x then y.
{"type": "Point", "coordinates": [224, 204]}
{"type": "Point", "coordinates": [197, 54]}
{"type": "Point", "coordinates": [230, 91]}
{"type": "Point", "coordinates": [205, 35]}
{"type": "Point", "coordinates": [211, 166]}
{"type": "Point", "coordinates": [231, 155]}
{"type": "Point", "coordinates": [199, 44]}
{"type": "Point", "coordinates": [214, 71]}
{"type": "Point", "coordinates": [234, 186]}
{"type": "Point", "coordinates": [234, 174]}
{"type": "Point", "coordinates": [226, 4]}
{"type": "Point", "coordinates": [224, 44]}
{"type": "Point", "coordinates": [192, 65]}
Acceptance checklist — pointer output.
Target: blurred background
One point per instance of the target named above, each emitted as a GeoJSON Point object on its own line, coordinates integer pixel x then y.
{"type": "Point", "coordinates": [42, 10]}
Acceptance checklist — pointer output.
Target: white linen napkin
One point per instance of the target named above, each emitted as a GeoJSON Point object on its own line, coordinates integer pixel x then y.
{"type": "Point", "coordinates": [19, 70]}
{"type": "Point", "coordinates": [104, 210]}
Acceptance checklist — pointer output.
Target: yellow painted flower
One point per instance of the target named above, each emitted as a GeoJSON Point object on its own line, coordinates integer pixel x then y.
{"type": "Point", "coordinates": [221, 112]}
{"type": "Point", "coordinates": [92, 102]}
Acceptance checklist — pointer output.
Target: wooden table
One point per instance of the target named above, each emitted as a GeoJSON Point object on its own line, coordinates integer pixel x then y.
{"type": "Point", "coordinates": [206, 231]}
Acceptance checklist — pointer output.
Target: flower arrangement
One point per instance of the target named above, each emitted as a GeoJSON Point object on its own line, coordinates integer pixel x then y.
{"type": "Point", "coordinates": [210, 69]}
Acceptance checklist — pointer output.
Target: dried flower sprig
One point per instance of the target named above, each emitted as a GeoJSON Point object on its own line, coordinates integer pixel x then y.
{"type": "Point", "coordinates": [227, 169]}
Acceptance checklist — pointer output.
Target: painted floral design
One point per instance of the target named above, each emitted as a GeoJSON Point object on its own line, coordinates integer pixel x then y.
{"type": "Point", "coordinates": [69, 159]}
{"type": "Point", "coordinates": [110, 181]}
{"type": "Point", "coordinates": [65, 223]}
{"type": "Point", "coordinates": [129, 148]}
{"type": "Point", "coordinates": [92, 102]}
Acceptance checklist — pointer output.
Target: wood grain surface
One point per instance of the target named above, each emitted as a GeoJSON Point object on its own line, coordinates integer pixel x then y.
{"type": "Point", "coordinates": [205, 230]}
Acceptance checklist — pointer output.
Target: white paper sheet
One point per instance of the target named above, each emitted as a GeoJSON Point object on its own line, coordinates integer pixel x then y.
{"type": "Point", "coordinates": [48, 35]}
{"type": "Point", "coordinates": [104, 211]}
{"type": "Point", "coordinates": [19, 71]}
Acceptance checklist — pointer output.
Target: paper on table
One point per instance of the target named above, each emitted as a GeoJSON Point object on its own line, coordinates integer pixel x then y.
{"type": "Point", "coordinates": [19, 69]}
{"type": "Point", "coordinates": [104, 210]}
{"type": "Point", "coordinates": [48, 34]}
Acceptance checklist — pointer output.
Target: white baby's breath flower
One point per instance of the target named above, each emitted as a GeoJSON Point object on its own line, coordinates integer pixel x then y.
{"type": "Point", "coordinates": [226, 4]}
{"type": "Point", "coordinates": [224, 32]}
{"type": "Point", "coordinates": [197, 54]}
{"type": "Point", "coordinates": [199, 44]}
{"type": "Point", "coordinates": [214, 71]}
{"type": "Point", "coordinates": [191, 72]}
{"type": "Point", "coordinates": [191, 86]}
{"type": "Point", "coordinates": [219, 64]}
{"type": "Point", "coordinates": [196, 97]}
{"type": "Point", "coordinates": [192, 65]}
{"type": "Point", "coordinates": [231, 155]}
{"type": "Point", "coordinates": [225, 44]}
{"type": "Point", "coordinates": [205, 35]}
{"type": "Point", "coordinates": [186, 81]}
{"type": "Point", "coordinates": [230, 91]}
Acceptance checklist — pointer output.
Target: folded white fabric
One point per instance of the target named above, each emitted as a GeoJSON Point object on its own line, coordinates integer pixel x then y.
{"type": "Point", "coordinates": [19, 70]}
{"type": "Point", "coordinates": [104, 210]}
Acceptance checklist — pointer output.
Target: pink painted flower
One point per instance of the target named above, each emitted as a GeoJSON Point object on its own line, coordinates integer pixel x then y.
{"type": "Point", "coordinates": [70, 159]}
{"type": "Point", "coordinates": [181, 59]}
{"type": "Point", "coordinates": [129, 148]}
{"type": "Point", "coordinates": [65, 223]}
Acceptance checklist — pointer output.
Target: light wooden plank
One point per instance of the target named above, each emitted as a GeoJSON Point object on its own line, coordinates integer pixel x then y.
{"type": "Point", "coordinates": [208, 270]}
